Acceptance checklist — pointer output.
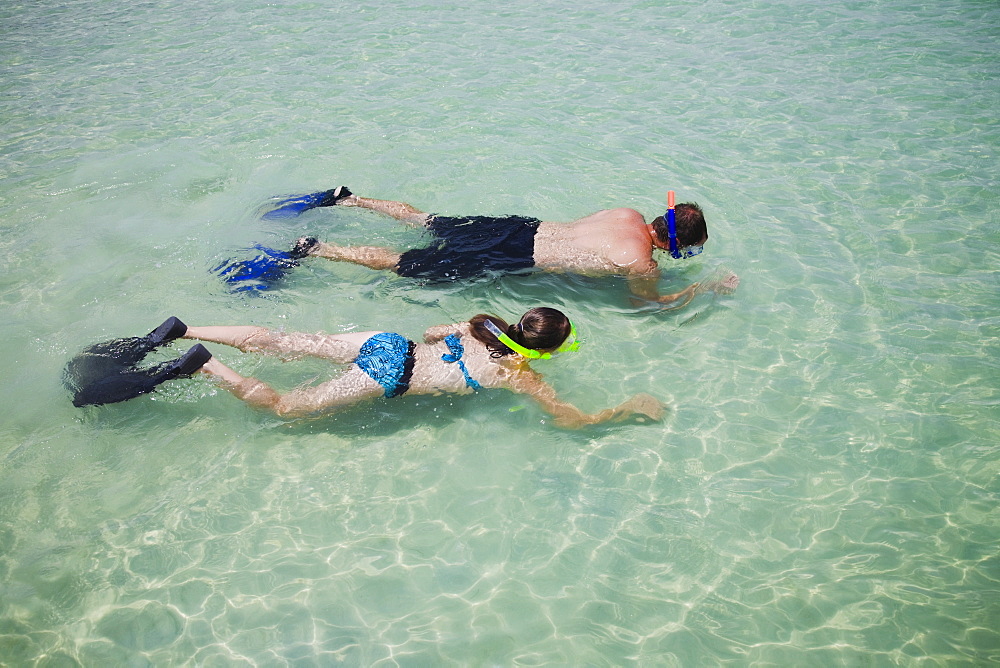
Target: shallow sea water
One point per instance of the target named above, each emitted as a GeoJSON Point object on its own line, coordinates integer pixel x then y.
{"type": "Point", "coordinates": [823, 491]}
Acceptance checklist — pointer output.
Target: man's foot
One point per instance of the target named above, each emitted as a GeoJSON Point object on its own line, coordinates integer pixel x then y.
{"type": "Point", "coordinates": [332, 197]}
{"type": "Point", "coordinates": [302, 247]}
{"type": "Point", "coordinates": [172, 328]}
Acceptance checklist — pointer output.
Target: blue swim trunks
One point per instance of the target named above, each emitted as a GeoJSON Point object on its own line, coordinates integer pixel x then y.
{"type": "Point", "coordinates": [471, 246]}
{"type": "Point", "coordinates": [388, 359]}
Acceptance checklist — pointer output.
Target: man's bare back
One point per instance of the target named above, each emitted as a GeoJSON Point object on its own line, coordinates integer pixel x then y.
{"type": "Point", "coordinates": [612, 241]}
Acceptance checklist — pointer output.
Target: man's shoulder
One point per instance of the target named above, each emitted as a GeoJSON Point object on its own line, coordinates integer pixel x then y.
{"type": "Point", "coordinates": [626, 216]}
{"type": "Point", "coordinates": [617, 218]}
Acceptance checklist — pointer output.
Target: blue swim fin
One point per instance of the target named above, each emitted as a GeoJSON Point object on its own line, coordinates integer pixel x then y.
{"type": "Point", "coordinates": [293, 206]}
{"type": "Point", "coordinates": [260, 272]}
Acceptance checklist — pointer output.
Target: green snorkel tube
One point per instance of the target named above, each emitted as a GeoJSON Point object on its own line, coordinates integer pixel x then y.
{"type": "Point", "coordinates": [568, 345]}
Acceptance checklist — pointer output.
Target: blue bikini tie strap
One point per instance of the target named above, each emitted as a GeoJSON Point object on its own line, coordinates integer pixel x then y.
{"type": "Point", "coordinates": [457, 350]}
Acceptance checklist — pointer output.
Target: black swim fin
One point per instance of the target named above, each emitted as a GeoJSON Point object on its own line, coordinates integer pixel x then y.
{"type": "Point", "coordinates": [110, 358]}
{"type": "Point", "coordinates": [185, 365]}
{"type": "Point", "coordinates": [106, 373]}
{"type": "Point", "coordinates": [124, 383]}
{"type": "Point", "coordinates": [172, 328]}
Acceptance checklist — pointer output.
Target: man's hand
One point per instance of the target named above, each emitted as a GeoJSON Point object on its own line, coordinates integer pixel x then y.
{"type": "Point", "coordinates": [724, 282]}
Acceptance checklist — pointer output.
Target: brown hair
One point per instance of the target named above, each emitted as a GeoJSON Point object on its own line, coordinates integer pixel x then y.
{"type": "Point", "coordinates": [691, 227]}
{"type": "Point", "coordinates": [540, 328]}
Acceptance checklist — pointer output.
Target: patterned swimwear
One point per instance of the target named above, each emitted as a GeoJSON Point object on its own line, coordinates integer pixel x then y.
{"type": "Point", "coordinates": [388, 359]}
{"type": "Point", "coordinates": [457, 350]}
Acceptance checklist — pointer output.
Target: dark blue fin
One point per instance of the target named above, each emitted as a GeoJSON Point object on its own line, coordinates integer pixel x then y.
{"type": "Point", "coordinates": [293, 206]}
{"type": "Point", "coordinates": [260, 272]}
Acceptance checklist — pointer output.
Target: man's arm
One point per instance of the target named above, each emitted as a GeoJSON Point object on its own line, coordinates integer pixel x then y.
{"type": "Point", "coordinates": [644, 286]}
{"type": "Point", "coordinates": [567, 415]}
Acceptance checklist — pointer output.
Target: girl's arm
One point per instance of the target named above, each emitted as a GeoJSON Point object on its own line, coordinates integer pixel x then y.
{"type": "Point", "coordinates": [528, 381]}
{"type": "Point", "coordinates": [438, 332]}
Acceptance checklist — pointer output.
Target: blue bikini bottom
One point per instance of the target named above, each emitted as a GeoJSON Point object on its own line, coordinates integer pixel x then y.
{"type": "Point", "coordinates": [388, 359]}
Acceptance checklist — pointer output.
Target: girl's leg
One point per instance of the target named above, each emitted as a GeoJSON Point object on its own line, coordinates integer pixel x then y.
{"type": "Point", "coordinates": [353, 386]}
{"type": "Point", "coordinates": [339, 348]}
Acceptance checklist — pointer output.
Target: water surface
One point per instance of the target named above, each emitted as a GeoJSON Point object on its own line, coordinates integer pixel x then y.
{"type": "Point", "coordinates": [823, 492]}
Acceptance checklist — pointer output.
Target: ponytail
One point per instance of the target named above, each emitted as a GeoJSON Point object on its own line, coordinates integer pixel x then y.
{"type": "Point", "coordinates": [487, 338]}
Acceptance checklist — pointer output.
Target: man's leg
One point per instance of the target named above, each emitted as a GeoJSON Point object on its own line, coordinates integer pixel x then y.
{"type": "Point", "coordinates": [401, 211]}
{"type": "Point", "coordinates": [373, 257]}
{"type": "Point", "coordinates": [342, 196]}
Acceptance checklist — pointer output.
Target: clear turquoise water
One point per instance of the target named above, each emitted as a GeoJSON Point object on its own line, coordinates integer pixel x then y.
{"type": "Point", "coordinates": [824, 491]}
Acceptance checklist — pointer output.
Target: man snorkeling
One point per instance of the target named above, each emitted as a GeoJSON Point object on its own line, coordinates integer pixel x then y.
{"type": "Point", "coordinates": [609, 242]}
